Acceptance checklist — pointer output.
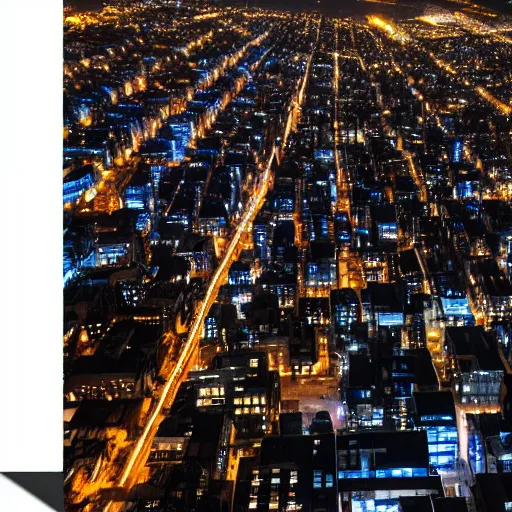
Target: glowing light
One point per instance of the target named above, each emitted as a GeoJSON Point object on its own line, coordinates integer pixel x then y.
{"type": "Point", "coordinates": [74, 20]}
{"type": "Point", "coordinates": [206, 16]}
{"type": "Point", "coordinates": [141, 83]}
{"type": "Point", "coordinates": [495, 102]}
{"type": "Point", "coordinates": [90, 194]}
{"type": "Point", "coordinates": [429, 20]}
{"type": "Point", "coordinates": [385, 2]}
{"type": "Point", "coordinates": [128, 88]}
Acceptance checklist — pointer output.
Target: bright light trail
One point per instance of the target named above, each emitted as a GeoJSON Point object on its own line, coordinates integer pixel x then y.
{"type": "Point", "coordinates": [169, 389]}
{"type": "Point", "coordinates": [390, 30]}
{"type": "Point", "coordinates": [495, 102]}
{"type": "Point", "coordinates": [171, 386]}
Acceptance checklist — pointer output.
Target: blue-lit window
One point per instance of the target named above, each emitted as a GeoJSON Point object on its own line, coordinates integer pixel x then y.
{"type": "Point", "coordinates": [156, 173]}
{"type": "Point", "coordinates": [211, 328]}
{"type": "Point", "coordinates": [465, 190]}
{"type": "Point", "coordinates": [391, 319]}
{"type": "Point", "coordinates": [384, 473]}
{"type": "Point", "coordinates": [137, 197]}
{"type": "Point", "coordinates": [345, 314]}
{"type": "Point", "coordinates": [284, 204]}
{"type": "Point", "coordinates": [436, 417]}
{"type": "Point", "coordinates": [72, 190]}
{"type": "Point", "coordinates": [111, 254]}
{"type": "Point", "coordinates": [476, 453]}
{"type": "Point", "coordinates": [457, 149]}
{"type": "Point", "coordinates": [442, 446]}
{"type": "Point", "coordinates": [317, 479]}
{"type": "Point", "coordinates": [240, 277]}
{"type": "Point", "coordinates": [388, 231]}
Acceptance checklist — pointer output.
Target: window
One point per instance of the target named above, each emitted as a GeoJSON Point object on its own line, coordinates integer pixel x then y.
{"type": "Point", "coordinates": [317, 479]}
{"type": "Point", "coordinates": [253, 363]}
{"type": "Point", "coordinates": [208, 401]}
{"type": "Point", "coordinates": [329, 481]}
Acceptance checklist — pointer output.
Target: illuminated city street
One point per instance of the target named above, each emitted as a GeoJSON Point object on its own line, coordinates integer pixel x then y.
{"type": "Point", "coordinates": [287, 258]}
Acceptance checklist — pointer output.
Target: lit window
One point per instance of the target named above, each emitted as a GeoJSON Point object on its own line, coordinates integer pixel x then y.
{"type": "Point", "coordinates": [253, 363]}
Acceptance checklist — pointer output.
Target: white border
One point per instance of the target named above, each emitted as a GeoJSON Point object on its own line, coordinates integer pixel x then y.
{"type": "Point", "coordinates": [31, 239]}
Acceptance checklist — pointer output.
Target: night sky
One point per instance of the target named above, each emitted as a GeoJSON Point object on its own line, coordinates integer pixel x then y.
{"type": "Point", "coordinates": [330, 7]}
{"type": "Point", "coordinates": [85, 5]}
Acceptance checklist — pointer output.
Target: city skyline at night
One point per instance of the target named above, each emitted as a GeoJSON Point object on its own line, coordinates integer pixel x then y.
{"type": "Point", "coordinates": [287, 257]}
